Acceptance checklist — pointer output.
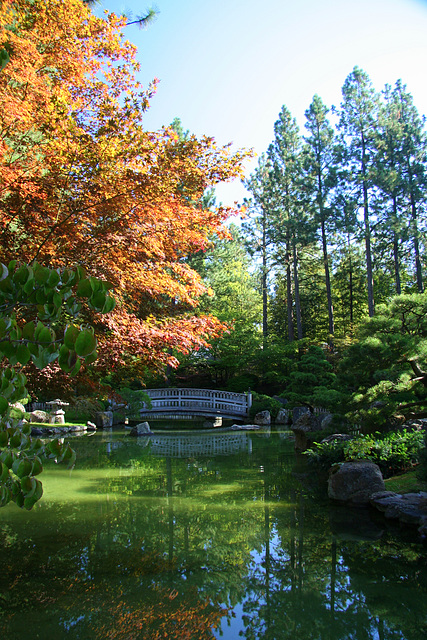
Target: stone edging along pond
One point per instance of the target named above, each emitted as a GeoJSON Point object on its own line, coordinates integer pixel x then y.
{"type": "Point", "coordinates": [360, 483]}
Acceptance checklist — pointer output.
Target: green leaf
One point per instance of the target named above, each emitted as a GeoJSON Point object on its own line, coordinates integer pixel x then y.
{"type": "Point", "coordinates": [70, 336]}
{"type": "Point", "coordinates": [45, 336]}
{"type": "Point", "coordinates": [4, 472]}
{"type": "Point", "coordinates": [22, 275]}
{"type": "Point", "coordinates": [26, 429]}
{"type": "Point", "coordinates": [18, 497]}
{"type": "Point", "coordinates": [91, 357]}
{"type": "Point", "coordinates": [57, 300]}
{"type": "Point", "coordinates": [23, 354]}
{"type": "Point", "coordinates": [29, 286]}
{"type": "Point", "coordinates": [28, 485]}
{"type": "Point", "coordinates": [54, 279]}
{"type": "Point", "coordinates": [4, 58]}
{"type": "Point", "coordinates": [42, 358]}
{"type": "Point", "coordinates": [7, 349]}
{"type": "Point", "coordinates": [84, 289]}
{"type": "Point", "coordinates": [16, 440]}
{"type": "Point", "coordinates": [7, 457]}
{"type": "Point", "coordinates": [37, 466]}
{"type": "Point", "coordinates": [30, 501]}
{"type": "Point", "coordinates": [109, 305]}
{"type": "Point", "coordinates": [22, 467]}
{"type": "Point", "coordinates": [5, 496]}
{"type": "Point", "coordinates": [67, 359]}
{"type": "Point", "coordinates": [28, 331]}
{"type": "Point", "coordinates": [4, 406]}
{"type": "Point", "coordinates": [7, 389]}
{"type": "Point", "coordinates": [41, 274]}
{"type": "Point", "coordinates": [98, 300]}
{"type": "Point", "coordinates": [85, 343]}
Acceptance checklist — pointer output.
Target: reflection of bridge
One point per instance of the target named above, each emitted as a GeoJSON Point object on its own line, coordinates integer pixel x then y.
{"type": "Point", "coordinates": [181, 403]}
{"type": "Point", "coordinates": [187, 446]}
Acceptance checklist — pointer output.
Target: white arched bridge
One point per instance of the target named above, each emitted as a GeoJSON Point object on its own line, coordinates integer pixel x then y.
{"type": "Point", "coordinates": [188, 403]}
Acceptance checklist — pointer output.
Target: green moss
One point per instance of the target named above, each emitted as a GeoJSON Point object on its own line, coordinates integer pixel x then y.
{"type": "Point", "coordinates": [406, 483]}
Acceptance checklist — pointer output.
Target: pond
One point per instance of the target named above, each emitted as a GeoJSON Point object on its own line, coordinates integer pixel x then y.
{"type": "Point", "coordinates": [195, 536]}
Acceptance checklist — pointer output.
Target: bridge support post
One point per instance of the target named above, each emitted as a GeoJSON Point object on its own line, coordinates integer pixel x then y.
{"type": "Point", "coordinates": [249, 395]}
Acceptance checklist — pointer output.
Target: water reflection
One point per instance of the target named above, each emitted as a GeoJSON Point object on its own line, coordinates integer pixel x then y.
{"type": "Point", "coordinates": [185, 446]}
{"type": "Point", "coordinates": [136, 545]}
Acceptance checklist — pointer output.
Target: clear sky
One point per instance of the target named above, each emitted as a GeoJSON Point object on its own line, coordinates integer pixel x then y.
{"type": "Point", "coordinates": [226, 67]}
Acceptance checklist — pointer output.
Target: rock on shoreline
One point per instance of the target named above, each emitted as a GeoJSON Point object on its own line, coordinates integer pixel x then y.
{"type": "Point", "coordinates": [408, 508]}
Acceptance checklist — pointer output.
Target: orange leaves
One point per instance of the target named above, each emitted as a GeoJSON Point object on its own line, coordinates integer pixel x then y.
{"type": "Point", "coordinates": [82, 182]}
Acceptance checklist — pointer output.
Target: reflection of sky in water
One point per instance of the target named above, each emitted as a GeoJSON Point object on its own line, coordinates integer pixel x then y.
{"type": "Point", "coordinates": [232, 625]}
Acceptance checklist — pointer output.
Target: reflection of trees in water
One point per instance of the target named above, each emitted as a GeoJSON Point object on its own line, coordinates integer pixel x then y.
{"type": "Point", "coordinates": [186, 534]}
{"type": "Point", "coordinates": [303, 588]}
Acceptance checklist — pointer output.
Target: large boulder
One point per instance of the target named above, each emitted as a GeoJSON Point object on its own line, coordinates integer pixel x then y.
{"type": "Point", "coordinates": [410, 508]}
{"type": "Point", "coordinates": [263, 418]}
{"type": "Point", "coordinates": [297, 412]}
{"type": "Point", "coordinates": [141, 429]}
{"type": "Point", "coordinates": [283, 417]}
{"type": "Point", "coordinates": [305, 428]}
{"type": "Point", "coordinates": [355, 482]}
{"type": "Point", "coordinates": [38, 416]}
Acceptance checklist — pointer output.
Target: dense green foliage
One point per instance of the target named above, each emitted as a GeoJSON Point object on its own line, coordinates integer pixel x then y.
{"type": "Point", "coordinates": [393, 452]}
{"type": "Point", "coordinates": [40, 321]}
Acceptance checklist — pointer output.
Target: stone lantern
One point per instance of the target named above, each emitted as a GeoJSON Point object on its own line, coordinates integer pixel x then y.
{"type": "Point", "coordinates": [57, 413]}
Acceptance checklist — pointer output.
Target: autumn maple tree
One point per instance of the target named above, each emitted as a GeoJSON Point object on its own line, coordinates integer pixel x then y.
{"type": "Point", "coordinates": [82, 183]}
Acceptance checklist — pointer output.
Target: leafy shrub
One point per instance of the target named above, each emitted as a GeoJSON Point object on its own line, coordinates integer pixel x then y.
{"type": "Point", "coordinates": [137, 399]}
{"type": "Point", "coordinates": [82, 409]}
{"type": "Point", "coordinates": [326, 454]}
{"type": "Point", "coordinates": [262, 402]}
{"type": "Point", "coordinates": [393, 452]}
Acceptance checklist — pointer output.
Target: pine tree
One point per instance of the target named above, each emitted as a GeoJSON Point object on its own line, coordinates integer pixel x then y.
{"type": "Point", "coordinates": [285, 156]}
{"type": "Point", "coordinates": [359, 111]}
{"type": "Point", "coordinates": [320, 177]}
{"type": "Point", "coordinates": [258, 228]}
{"type": "Point", "coordinates": [412, 166]}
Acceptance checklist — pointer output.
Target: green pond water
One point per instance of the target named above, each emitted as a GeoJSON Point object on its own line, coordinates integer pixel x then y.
{"type": "Point", "coordinates": [202, 536]}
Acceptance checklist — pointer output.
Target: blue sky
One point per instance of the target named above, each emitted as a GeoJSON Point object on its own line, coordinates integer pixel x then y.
{"type": "Point", "coordinates": [227, 67]}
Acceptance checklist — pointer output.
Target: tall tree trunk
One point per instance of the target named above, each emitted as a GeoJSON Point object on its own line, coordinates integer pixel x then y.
{"type": "Point", "coordinates": [327, 282]}
{"type": "Point", "coordinates": [396, 249]}
{"type": "Point", "coordinates": [264, 286]}
{"type": "Point", "coordinates": [367, 233]}
{"type": "Point", "coordinates": [416, 242]}
{"type": "Point", "coordinates": [289, 302]}
{"type": "Point", "coordinates": [296, 290]}
{"type": "Point", "coordinates": [350, 285]}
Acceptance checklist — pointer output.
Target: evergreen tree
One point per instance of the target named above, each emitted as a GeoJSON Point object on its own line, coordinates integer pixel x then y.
{"type": "Point", "coordinates": [412, 166]}
{"type": "Point", "coordinates": [258, 228]}
{"type": "Point", "coordinates": [289, 227]}
{"type": "Point", "coordinates": [359, 111]}
{"type": "Point", "coordinates": [320, 174]}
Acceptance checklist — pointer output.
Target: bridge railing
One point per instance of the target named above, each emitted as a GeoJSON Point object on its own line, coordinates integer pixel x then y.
{"type": "Point", "coordinates": [203, 401]}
